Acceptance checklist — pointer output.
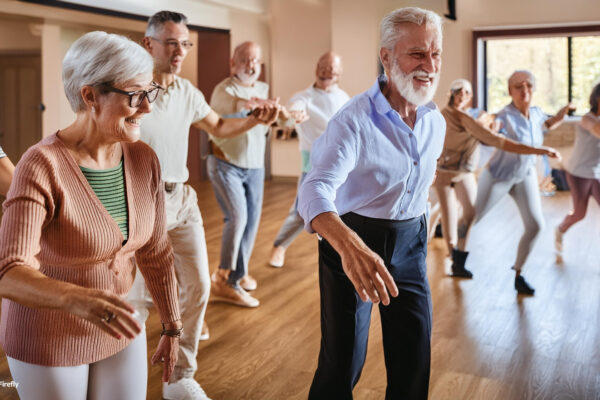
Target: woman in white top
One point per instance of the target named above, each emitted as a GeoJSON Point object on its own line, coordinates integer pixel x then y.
{"type": "Point", "coordinates": [583, 169]}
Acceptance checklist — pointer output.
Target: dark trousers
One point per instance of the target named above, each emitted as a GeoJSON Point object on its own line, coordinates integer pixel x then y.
{"type": "Point", "coordinates": [406, 321]}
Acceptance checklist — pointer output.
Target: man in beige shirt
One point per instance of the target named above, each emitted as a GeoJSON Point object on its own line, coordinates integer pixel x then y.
{"type": "Point", "coordinates": [236, 170]}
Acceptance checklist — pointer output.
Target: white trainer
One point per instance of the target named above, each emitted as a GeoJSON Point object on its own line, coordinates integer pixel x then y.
{"type": "Point", "coordinates": [184, 389]}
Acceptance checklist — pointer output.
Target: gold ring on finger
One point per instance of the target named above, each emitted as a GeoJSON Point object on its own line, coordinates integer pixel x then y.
{"type": "Point", "coordinates": [109, 316]}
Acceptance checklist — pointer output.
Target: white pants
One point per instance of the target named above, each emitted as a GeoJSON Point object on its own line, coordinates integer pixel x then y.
{"type": "Point", "coordinates": [186, 232]}
{"type": "Point", "coordinates": [121, 376]}
{"type": "Point", "coordinates": [526, 195]}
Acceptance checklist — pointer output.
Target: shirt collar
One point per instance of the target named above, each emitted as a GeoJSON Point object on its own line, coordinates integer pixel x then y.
{"type": "Point", "coordinates": [382, 105]}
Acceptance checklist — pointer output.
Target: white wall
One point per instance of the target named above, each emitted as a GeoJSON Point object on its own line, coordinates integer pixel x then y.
{"type": "Point", "coordinates": [300, 34]}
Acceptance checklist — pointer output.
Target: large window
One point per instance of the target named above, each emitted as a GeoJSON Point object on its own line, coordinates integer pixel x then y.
{"type": "Point", "coordinates": [566, 66]}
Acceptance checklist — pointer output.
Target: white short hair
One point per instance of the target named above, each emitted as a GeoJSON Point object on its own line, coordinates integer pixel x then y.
{"type": "Point", "coordinates": [389, 24]}
{"type": "Point", "coordinates": [100, 57]}
{"type": "Point", "coordinates": [522, 72]}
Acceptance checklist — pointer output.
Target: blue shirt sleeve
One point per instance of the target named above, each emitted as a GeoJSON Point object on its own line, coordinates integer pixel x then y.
{"type": "Point", "coordinates": [333, 157]}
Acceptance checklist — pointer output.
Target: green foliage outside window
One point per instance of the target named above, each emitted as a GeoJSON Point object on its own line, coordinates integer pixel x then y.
{"type": "Point", "coordinates": [586, 70]}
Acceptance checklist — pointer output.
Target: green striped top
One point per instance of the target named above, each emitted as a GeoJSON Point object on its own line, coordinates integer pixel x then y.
{"type": "Point", "coordinates": [109, 186]}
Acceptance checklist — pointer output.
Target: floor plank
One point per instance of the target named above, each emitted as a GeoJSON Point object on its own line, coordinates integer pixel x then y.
{"type": "Point", "coordinates": [488, 343]}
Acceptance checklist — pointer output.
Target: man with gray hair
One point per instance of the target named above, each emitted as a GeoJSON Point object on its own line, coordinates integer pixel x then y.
{"type": "Point", "coordinates": [166, 130]}
{"type": "Point", "coordinates": [366, 197]}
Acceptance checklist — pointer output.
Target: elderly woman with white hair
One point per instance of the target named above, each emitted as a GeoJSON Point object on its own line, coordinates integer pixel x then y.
{"type": "Point", "coordinates": [515, 174]}
{"type": "Point", "coordinates": [455, 177]}
{"type": "Point", "coordinates": [85, 206]}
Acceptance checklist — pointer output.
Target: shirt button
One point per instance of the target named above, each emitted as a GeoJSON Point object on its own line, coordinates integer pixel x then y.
{"type": "Point", "coordinates": [401, 211]}
{"type": "Point", "coordinates": [410, 135]}
{"type": "Point", "coordinates": [409, 191]}
{"type": "Point", "coordinates": [415, 163]}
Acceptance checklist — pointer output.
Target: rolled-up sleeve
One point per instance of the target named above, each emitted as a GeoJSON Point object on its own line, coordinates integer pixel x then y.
{"type": "Point", "coordinates": [333, 157]}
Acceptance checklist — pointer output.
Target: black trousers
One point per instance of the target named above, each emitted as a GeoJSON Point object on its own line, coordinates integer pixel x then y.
{"type": "Point", "coordinates": [406, 321]}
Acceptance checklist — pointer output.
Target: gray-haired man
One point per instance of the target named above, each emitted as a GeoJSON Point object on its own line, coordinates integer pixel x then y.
{"type": "Point", "coordinates": [366, 196]}
{"type": "Point", "coordinates": [166, 130]}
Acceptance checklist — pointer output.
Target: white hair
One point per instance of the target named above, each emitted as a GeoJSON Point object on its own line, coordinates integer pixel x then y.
{"type": "Point", "coordinates": [522, 71]}
{"type": "Point", "coordinates": [100, 57]}
{"type": "Point", "coordinates": [390, 31]}
{"type": "Point", "coordinates": [461, 83]}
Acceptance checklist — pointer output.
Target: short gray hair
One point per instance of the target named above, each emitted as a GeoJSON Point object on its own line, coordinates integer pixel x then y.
{"type": "Point", "coordinates": [418, 16]}
{"type": "Point", "coordinates": [100, 57]}
{"type": "Point", "coordinates": [594, 96]}
{"type": "Point", "coordinates": [156, 21]}
{"type": "Point", "coordinates": [522, 71]}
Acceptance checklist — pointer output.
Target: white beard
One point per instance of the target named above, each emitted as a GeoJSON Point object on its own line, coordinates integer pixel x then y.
{"type": "Point", "coordinates": [247, 79]}
{"type": "Point", "coordinates": [404, 84]}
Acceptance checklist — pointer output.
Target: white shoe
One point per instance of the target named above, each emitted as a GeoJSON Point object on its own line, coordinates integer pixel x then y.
{"type": "Point", "coordinates": [183, 389]}
{"type": "Point", "coordinates": [277, 257]}
{"type": "Point", "coordinates": [205, 333]}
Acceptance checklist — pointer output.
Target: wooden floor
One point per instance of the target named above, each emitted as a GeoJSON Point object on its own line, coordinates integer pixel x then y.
{"type": "Point", "coordinates": [487, 342]}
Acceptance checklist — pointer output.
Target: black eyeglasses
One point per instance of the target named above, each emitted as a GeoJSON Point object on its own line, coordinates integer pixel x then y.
{"type": "Point", "coordinates": [173, 44]}
{"type": "Point", "coordinates": [136, 98]}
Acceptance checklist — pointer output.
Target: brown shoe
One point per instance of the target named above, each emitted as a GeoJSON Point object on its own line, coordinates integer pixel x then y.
{"type": "Point", "coordinates": [222, 291]}
{"type": "Point", "coordinates": [248, 283]}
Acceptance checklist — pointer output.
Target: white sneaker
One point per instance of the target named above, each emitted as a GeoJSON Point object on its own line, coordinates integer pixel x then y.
{"type": "Point", "coordinates": [183, 389]}
{"type": "Point", "coordinates": [277, 257]}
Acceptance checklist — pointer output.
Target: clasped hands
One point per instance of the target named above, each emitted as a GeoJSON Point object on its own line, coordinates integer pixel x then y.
{"type": "Point", "coordinates": [269, 111]}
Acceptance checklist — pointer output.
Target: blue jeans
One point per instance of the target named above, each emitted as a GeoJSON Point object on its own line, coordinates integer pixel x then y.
{"type": "Point", "coordinates": [239, 192]}
{"type": "Point", "coordinates": [293, 224]}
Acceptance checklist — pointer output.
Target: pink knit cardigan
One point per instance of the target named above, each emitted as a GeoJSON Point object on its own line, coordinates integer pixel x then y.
{"type": "Point", "coordinates": [53, 221]}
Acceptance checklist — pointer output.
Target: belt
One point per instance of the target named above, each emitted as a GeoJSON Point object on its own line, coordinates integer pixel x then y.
{"type": "Point", "coordinates": [170, 186]}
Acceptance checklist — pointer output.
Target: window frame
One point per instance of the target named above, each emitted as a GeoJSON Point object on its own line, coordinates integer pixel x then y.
{"type": "Point", "coordinates": [479, 50]}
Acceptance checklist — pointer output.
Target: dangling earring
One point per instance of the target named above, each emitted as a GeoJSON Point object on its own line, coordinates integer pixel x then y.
{"type": "Point", "coordinates": [93, 109]}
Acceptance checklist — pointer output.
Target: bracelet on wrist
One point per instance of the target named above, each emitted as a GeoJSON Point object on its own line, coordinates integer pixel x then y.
{"type": "Point", "coordinates": [177, 332]}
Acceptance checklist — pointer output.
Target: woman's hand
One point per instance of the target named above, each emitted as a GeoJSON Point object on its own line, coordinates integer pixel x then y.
{"type": "Point", "coordinates": [551, 152]}
{"type": "Point", "coordinates": [166, 352]}
{"type": "Point", "coordinates": [104, 309]}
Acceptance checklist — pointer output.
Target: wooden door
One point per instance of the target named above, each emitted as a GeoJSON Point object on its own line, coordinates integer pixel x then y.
{"type": "Point", "coordinates": [213, 67]}
{"type": "Point", "coordinates": [20, 103]}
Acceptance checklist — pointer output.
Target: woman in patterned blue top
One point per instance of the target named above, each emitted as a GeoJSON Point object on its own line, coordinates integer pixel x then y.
{"type": "Point", "coordinates": [515, 174]}
{"type": "Point", "coordinates": [6, 172]}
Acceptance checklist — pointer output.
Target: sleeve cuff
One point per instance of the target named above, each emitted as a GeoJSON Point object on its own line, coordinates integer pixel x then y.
{"type": "Point", "coordinates": [316, 207]}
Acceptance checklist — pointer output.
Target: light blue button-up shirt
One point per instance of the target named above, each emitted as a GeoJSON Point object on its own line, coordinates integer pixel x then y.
{"type": "Point", "coordinates": [515, 126]}
{"type": "Point", "coordinates": [370, 162]}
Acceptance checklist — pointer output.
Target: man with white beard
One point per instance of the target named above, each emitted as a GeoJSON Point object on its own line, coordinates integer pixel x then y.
{"type": "Point", "coordinates": [366, 196]}
{"type": "Point", "coordinates": [236, 170]}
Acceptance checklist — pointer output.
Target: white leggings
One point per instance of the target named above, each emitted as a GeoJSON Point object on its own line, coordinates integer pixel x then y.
{"type": "Point", "coordinates": [526, 195]}
{"type": "Point", "coordinates": [122, 376]}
